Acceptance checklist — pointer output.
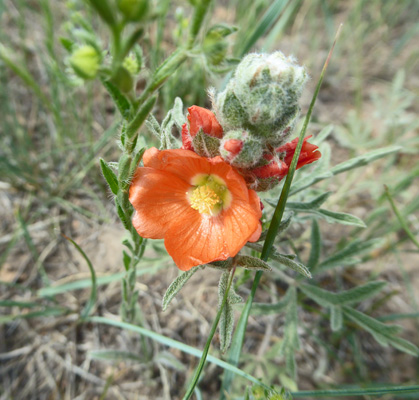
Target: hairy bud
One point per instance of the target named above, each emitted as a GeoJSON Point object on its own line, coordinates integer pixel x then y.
{"type": "Point", "coordinates": [240, 149]}
{"type": "Point", "coordinates": [203, 134]}
{"type": "Point", "coordinates": [262, 97]}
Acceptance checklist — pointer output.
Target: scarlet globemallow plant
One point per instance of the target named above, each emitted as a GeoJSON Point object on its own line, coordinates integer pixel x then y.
{"type": "Point", "coordinates": [201, 207]}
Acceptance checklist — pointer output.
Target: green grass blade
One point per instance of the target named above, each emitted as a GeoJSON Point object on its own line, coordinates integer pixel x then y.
{"type": "Point", "coordinates": [238, 338]}
{"type": "Point", "coordinates": [86, 283]}
{"type": "Point", "coordinates": [400, 217]}
{"type": "Point", "coordinates": [378, 391]}
{"type": "Point", "coordinates": [93, 293]}
{"type": "Point", "coordinates": [266, 22]}
{"type": "Point", "coordinates": [175, 345]}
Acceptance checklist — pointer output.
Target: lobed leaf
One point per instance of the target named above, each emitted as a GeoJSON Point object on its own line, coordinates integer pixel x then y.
{"type": "Point", "coordinates": [351, 296]}
{"type": "Point", "coordinates": [348, 255]}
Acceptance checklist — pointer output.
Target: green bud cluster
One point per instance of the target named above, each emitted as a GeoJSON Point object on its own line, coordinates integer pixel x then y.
{"type": "Point", "coordinates": [85, 61]}
{"type": "Point", "coordinates": [262, 97]}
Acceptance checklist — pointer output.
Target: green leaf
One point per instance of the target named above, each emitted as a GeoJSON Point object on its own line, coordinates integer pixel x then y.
{"type": "Point", "coordinates": [374, 391]}
{"type": "Point", "coordinates": [401, 219]}
{"type": "Point", "coordinates": [356, 162]}
{"type": "Point", "coordinates": [310, 205]}
{"type": "Point", "coordinates": [322, 135]}
{"type": "Point", "coordinates": [46, 312]}
{"type": "Point", "coordinates": [267, 308]}
{"type": "Point", "coordinates": [109, 176]}
{"type": "Point", "coordinates": [340, 217]}
{"type": "Point", "coordinates": [364, 159]}
{"type": "Point", "coordinates": [351, 296]}
{"type": "Point", "coordinates": [114, 355]}
{"type": "Point", "coordinates": [283, 226]}
{"type": "Point", "coordinates": [252, 263]}
{"type": "Point", "coordinates": [119, 99]}
{"type": "Point", "coordinates": [336, 318]}
{"type": "Point", "coordinates": [176, 286]}
{"type": "Point", "coordinates": [227, 315]}
{"type": "Point", "coordinates": [291, 341]}
{"type": "Point", "coordinates": [126, 259]}
{"type": "Point", "coordinates": [384, 334]}
{"type": "Point", "coordinates": [350, 254]}
{"type": "Point", "coordinates": [174, 344]}
{"type": "Point", "coordinates": [316, 244]}
{"type": "Point", "coordinates": [284, 259]}
{"type": "Point", "coordinates": [265, 23]}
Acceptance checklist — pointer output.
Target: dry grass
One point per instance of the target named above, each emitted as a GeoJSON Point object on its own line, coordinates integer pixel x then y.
{"type": "Point", "coordinates": [50, 357]}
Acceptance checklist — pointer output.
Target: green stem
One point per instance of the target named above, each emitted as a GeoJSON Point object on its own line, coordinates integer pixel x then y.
{"type": "Point", "coordinates": [271, 235]}
{"type": "Point", "coordinates": [203, 359]}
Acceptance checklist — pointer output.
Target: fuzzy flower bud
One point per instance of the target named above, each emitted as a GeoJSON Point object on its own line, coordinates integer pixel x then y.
{"type": "Point", "coordinates": [262, 96]}
{"type": "Point", "coordinates": [240, 149]}
{"type": "Point", "coordinates": [85, 62]}
{"type": "Point", "coordinates": [275, 165]}
{"type": "Point", "coordinates": [203, 134]}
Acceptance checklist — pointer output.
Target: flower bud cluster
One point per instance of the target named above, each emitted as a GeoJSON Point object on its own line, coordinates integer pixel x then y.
{"type": "Point", "coordinates": [253, 119]}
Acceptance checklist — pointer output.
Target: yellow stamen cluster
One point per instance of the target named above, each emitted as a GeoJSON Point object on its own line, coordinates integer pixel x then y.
{"type": "Point", "coordinates": [204, 199]}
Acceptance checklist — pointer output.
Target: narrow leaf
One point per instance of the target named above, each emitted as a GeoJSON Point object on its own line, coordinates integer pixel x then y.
{"type": "Point", "coordinates": [401, 219]}
{"type": "Point", "coordinates": [114, 355]}
{"type": "Point", "coordinates": [364, 159]}
{"type": "Point", "coordinates": [252, 263]}
{"type": "Point", "coordinates": [119, 99]}
{"type": "Point", "coordinates": [370, 324]}
{"type": "Point", "coordinates": [176, 286]}
{"type": "Point", "coordinates": [336, 319]}
{"type": "Point", "coordinates": [341, 218]}
{"type": "Point", "coordinates": [110, 176]}
{"type": "Point", "coordinates": [316, 244]}
{"type": "Point", "coordinates": [310, 205]}
{"type": "Point", "coordinates": [267, 309]}
{"type": "Point", "coordinates": [227, 315]}
{"type": "Point", "coordinates": [349, 255]}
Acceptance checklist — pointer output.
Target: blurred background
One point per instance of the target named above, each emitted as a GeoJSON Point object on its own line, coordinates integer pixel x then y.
{"type": "Point", "coordinates": [53, 129]}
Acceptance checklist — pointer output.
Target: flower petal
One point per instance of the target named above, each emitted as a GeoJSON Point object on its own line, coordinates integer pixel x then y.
{"type": "Point", "coordinates": [197, 239]}
{"type": "Point", "coordinates": [202, 118]}
{"type": "Point", "coordinates": [200, 239]}
{"type": "Point", "coordinates": [158, 197]}
{"type": "Point", "coordinates": [184, 164]}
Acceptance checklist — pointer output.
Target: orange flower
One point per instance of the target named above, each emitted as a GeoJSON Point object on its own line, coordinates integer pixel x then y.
{"type": "Point", "coordinates": [201, 207]}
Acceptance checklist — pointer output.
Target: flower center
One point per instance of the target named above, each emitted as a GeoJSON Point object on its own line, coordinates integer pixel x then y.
{"type": "Point", "coordinates": [209, 194]}
{"type": "Point", "coordinates": [204, 199]}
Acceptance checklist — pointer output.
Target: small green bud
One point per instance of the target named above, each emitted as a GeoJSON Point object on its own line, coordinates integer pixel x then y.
{"type": "Point", "coordinates": [133, 10]}
{"type": "Point", "coordinates": [130, 63]}
{"type": "Point", "coordinates": [85, 62]}
{"type": "Point", "coordinates": [240, 149]}
{"type": "Point", "coordinates": [214, 46]}
{"type": "Point", "coordinates": [262, 96]}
